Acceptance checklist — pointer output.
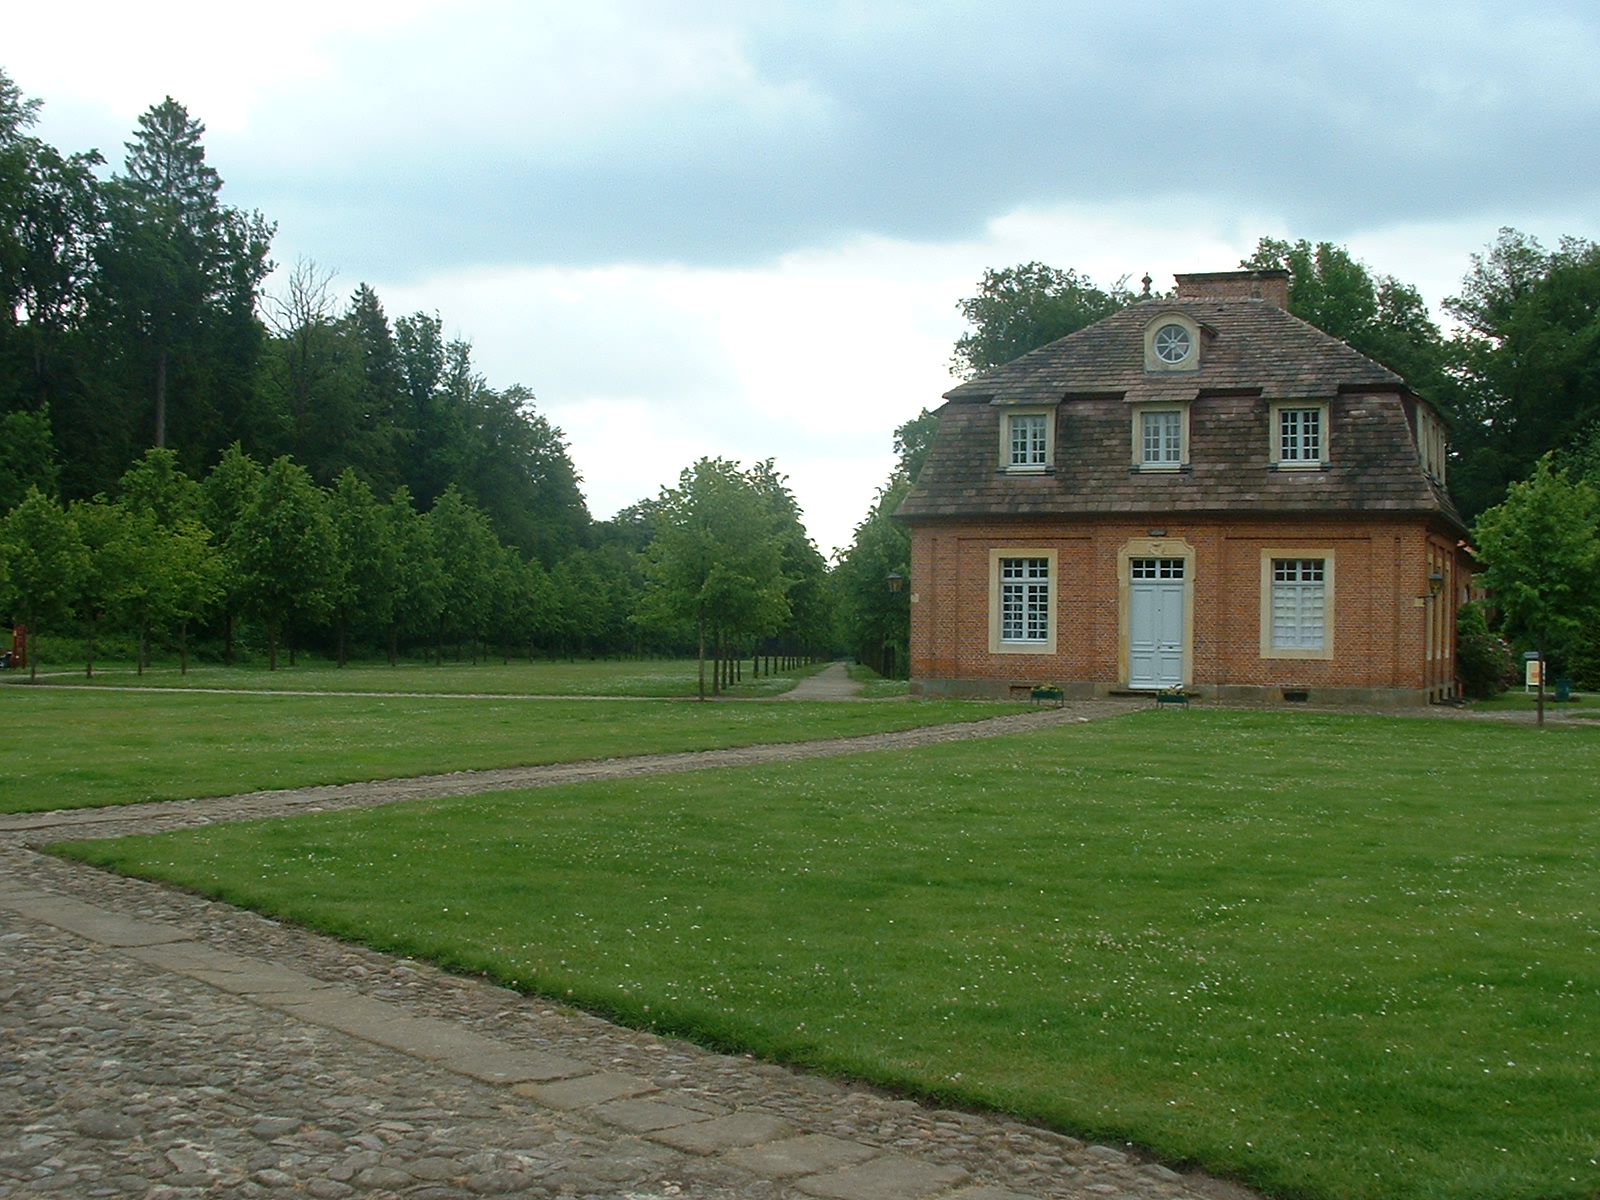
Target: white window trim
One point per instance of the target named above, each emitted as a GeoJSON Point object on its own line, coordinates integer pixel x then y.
{"type": "Point", "coordinates": [1329, 610]}
{"type": "Point", "coordinates": [1433, 444]}
{"type": "Point", "coordinates": [1139, 411]}
{"type": "Point", "coordinates": [1154, 362]}
{"type": "Point", "coordinates": [1275, 436]}
{"type": "Point", "coordinates": [1044, 468]}
{"type": "Point", "coordinates": [1048, 645]}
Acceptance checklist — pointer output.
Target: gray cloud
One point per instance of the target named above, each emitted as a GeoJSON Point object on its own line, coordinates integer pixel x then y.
{"type": "Point", "coordinates": [800, 125]}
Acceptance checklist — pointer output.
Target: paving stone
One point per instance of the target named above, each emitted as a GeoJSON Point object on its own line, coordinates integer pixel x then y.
{"type": "Point", "coordinates": [725, 1133]}
{"type": "Point", "coordinates": [95, 923]}
{"type": "Point", "coordinates": [803, 1155]}
{"type": "Point", "coordinates": [1107, 1154]}
{"type": "Point", "coordinates": [517, 1066]}
{"type": "Point", "coordinates": [646, 1116]}
{"type": "Point", "coordinates": [110, 1126]}
{"type": "Point", "coordinates": [892, 1177]}
{"type": "Point", "coordinates": [986, 1192]}
{"type": "Point", "coordinates": [586, 1089]}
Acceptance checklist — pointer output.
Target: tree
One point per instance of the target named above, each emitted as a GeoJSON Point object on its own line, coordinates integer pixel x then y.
{"type": "Point", "coordinates": [468, 552]}
{"type": "Point", "coordinates": [27, 457]}
{"type": "Point", "coordinates": [1527, 361]}
{"type": "Point", "coordinates": [876, 617]}
{"type": "Point", "coordinates": [809, 625]}
{"type": "Point", "coordinates": [156, 487]}
{"type": "Point", "coordinates": [308, 394]}
{"type": "Point", "coordinates": [178, 277]}
{"type": "Point", "coordinates": [111, 566]}
{"type": "Point", "coordinates": [715, 561]}
{"type": "Point", "coordinates": [285, 551]}
{"type": "Point", "coordinates": [229, 492]}
{"type": "Point", "coordinates": [418, 585]}
{"type": "Point", "coordinates": [1018, 309]}
{"type": "Point", "coordinates": [1541, 550]}
{"type": "Point", "coordinates": [363, 593]}
{"type": "Point", "coordinates": [1376, 314]}
{"type": "Point", "coordinates": [45, 564]}
{"type": "Point", "coordinates": [913, 440]}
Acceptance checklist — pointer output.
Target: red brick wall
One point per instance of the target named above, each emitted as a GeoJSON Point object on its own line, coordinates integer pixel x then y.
{"type": "Point", "coordinates": [1391, 636]}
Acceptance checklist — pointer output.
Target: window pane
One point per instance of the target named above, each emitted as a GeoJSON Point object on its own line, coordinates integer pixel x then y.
{"type": "Point", "coordinates": [1024, 599]}
{"type": "Point", "coordinates": [1161, 437]}
{"type": "Point", "coordinates": [1299, 434]}
{"type": "Point", "coordinates": [1299, 603]}
{"type": "Point", "coordinates": [1028, 440]}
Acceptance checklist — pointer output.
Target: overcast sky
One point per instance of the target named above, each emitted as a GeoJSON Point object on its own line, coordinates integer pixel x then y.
{"type": "Point", "coordinates": [701, 227]}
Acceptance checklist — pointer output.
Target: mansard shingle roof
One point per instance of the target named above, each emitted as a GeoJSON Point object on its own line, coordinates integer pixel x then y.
{"type": "Point", "coordinates": [1252, 354]}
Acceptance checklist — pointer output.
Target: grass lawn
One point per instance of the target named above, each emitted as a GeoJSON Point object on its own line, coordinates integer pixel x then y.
{"type": "Point", "coordinates": [1582, 704]}
{"type": "Point", "coordinates": [544, 677]}
{"type": "Point", "coordinates": [1336, 956]}
{"type": "Point", "coordinates": [80, 748]}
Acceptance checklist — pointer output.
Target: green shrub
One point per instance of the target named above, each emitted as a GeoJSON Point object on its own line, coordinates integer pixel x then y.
{"type": "Point", "coordinates": [1483, 660]}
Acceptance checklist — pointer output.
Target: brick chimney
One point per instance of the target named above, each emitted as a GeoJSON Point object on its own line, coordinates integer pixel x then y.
{"type": "Point", "coordinates": [1270, 286]}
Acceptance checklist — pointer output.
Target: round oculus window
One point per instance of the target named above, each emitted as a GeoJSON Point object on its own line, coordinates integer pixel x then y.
{"type": "Point", "coordinates": [1172, 343]}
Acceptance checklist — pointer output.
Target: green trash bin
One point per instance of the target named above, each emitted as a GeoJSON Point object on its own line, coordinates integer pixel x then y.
{"type": "Point", "coordinates": [1563, 690]}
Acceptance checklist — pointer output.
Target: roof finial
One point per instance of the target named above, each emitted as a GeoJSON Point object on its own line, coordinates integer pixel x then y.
{"type": "Point", "coordinates": [1147, 281]}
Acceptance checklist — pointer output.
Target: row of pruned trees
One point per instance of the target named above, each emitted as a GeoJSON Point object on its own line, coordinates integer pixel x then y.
{"type": "Point", "coordinates": [720, 563]}
{"type": "Point", "coordinates": [266, 545]}
{"type": "Point", "coordinates": [731, 567]}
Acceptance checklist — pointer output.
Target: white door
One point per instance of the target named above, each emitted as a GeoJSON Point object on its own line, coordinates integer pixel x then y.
{"type": "Point", "coordinates": [1155, 623]}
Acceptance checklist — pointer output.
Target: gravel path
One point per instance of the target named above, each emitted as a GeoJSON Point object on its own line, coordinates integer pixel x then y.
{"type": "Point", "coordinates": [156, 1044]}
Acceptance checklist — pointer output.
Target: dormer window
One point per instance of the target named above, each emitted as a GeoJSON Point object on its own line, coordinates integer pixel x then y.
{"type": "Point", "coordinates": [1027, 441]}
{"type": "Point", "coordinates": [1160, 437]}
{"type": "Point", "coordinates": [1172, 343]}
{"type": "Point", "coordinates": [1299, 435]}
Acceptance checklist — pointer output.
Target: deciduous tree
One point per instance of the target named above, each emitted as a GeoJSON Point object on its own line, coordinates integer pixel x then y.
{"type": "Point", "coordinates": [1541, 551]}
{"type": "Point", "coordinates": [45, 564]}
{"type": "Point", "coordinates": [1018, 309]}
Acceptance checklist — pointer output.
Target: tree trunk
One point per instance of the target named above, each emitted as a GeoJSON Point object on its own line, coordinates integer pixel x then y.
{"type": "Point", "coordinates": [227, 651]}
{"type": "Point", "coordinates": [342, 625]}
{"type": "Point", "coordinates": [161, 397]}
{"type": "Point", "coordinates": [272, 645]}
{"type": "Point", "coordinates": [144, 646]}
{"type": "Point", "coordinates": [701, 655]}
{"type": "Point", "coordinates": [183, 647]}
{"type": "Point", "coordinates": [88, 651]}
{"type": "Point", "coordinates": [394, 644]}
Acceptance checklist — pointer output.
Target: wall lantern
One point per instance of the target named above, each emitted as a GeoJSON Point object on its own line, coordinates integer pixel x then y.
{"type": "Point", "coordinates": [1435, 583]}
{"type": "Point", "coordinates": [896, 581]}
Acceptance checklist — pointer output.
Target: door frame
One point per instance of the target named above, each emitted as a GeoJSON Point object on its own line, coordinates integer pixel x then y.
{"type": "Point", "coordinates": [1148, 547]}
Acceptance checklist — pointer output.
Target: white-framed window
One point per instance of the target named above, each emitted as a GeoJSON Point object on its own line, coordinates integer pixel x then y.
{"type": "Point", "coordinates": [1299, 435]}
{"type": "Point", "coordinates": [1433, 443]}
{"type": "Point", "coordinates": [1022, 601]}
{"type": "Point", "coordinates": [1155, 568]}
{"type": "Point", "coordinates": [1027, 441]}
{"type": "Point", "coordinates": [1296, 603]}
{"type": "Point", "coordinates": [1160, 437]}
{"type": "Point", "coordinates": [1299, 603]}
{"type": "Point", "coordinates": [1172, 342]}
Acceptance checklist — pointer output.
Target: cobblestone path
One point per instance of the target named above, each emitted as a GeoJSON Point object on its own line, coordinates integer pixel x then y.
{"type": "Point", "coordinates": [156, 1044]}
